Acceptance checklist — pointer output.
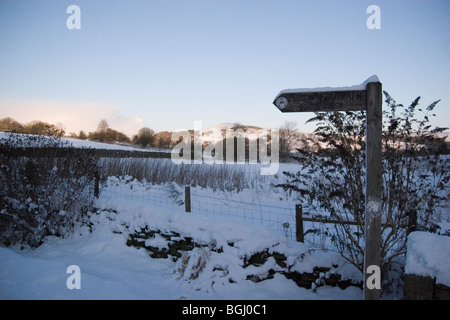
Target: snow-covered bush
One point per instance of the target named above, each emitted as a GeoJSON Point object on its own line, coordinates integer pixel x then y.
{"type": "Point", "coordinates": [192, 263]}
{"type": "Point", "coordinates": [44, 193]}
{"type": "Point", "coordinates": [416, 177]}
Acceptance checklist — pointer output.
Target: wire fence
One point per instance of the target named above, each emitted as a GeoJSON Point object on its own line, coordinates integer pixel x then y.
{"type": "Point", "coordinates": [280, 217]}
{"type": "Point", "coordinates": [316, 234]}
{"type": "Point", "coordinates": [172, 196]}
{"type": "Point", "coordinates": [161, 196]}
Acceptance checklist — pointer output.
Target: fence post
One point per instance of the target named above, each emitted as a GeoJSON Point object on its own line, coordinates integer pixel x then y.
{"type": "Point", "coordinates": [299, 223]}
{"type": "Point", "coordinates": [412, 222]}
{"type": "Point", "coordinates": [187, 198]}
{"type": "Point", "coordinates": [96, 184]}
{"type": "Point", "coordinates": [374, 183]}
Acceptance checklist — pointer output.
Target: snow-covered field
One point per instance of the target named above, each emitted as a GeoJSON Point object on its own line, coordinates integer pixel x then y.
{"type": "Point", "coordinates": [111, 270]}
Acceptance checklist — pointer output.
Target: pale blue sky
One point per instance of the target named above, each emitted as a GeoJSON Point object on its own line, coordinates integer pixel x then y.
{"type": "Point", "coordinates": [165, 64]}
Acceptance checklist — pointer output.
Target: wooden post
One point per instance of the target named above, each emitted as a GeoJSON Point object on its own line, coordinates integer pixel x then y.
{"type": "Point", "coordinates": [187, 198]}
{"type": "Point", "coordinates": [372, 253]}
{"type": "Point", "coordinates": [299, 223]}
{"type": "Point", "coordinates": [96, 184]}
{"type": "Point", "coordinates": [412, 222]}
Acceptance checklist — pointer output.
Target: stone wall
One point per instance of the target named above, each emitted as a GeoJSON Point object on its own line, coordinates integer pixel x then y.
{"type": "Point", "coordinates": [427, 275]}
{"type": "Point", "coordinates": [418, 287]}
{"type": "Point", "coordinates": [175, 244]}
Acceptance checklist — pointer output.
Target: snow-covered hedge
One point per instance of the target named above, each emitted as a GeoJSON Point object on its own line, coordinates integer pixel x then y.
{"type": "Point", "coordinates": [43, 195]}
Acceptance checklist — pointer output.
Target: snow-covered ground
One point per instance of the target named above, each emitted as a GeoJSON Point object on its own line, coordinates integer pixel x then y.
{"type": "Point", "coordinates": [241, 223]}
{"type": "Point", "coordinates": [112, 270]}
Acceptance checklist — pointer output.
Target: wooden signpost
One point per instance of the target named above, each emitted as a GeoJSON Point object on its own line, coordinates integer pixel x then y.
{"type": "Point", "coordinates": [368, 97]}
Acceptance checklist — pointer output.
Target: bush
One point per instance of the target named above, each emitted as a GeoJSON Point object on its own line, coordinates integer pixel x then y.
{"type": "Point", "coordinates": [416, 177]}
{"type": "Point", "coordinates": [145, 137]}
{"type": "Point", "coordinates": [44, 194]}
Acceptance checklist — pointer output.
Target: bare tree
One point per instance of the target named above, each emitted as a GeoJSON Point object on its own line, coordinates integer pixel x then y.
{"type": "Point", "coordinates": [82, 135]}
{"type": "Point", "coordinates": [10, 125]}
{"type": "Point", "coordinates": [287, 138]}
{"type": "Point", "coordinates": [102, 126]}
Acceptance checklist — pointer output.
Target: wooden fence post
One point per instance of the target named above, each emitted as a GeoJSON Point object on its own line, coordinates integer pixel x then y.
{"type": "Point", "coordinates": [187, 198]}
{"type": "Point", "coordinates": [96, 184]}
{"type": "Point", "coordinates": [299, 223]}
{"type": "Point", "coordinates": [374, 167]}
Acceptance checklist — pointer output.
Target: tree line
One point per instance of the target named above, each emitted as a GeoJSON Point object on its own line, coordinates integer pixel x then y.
{"type": "Point", "coordinates": [34, 127]}
{"type": "Point", "coordinates": [145, 137]}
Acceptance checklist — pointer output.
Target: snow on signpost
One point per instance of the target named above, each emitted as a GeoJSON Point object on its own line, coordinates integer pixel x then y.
{"type": "Point", "coordinates": [324, 99]}
{"type": "Point", "coordinates": [366, 96]}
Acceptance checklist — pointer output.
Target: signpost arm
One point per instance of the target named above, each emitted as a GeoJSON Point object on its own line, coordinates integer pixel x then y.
{"type": "Point", "coordinates": [373, 187]}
